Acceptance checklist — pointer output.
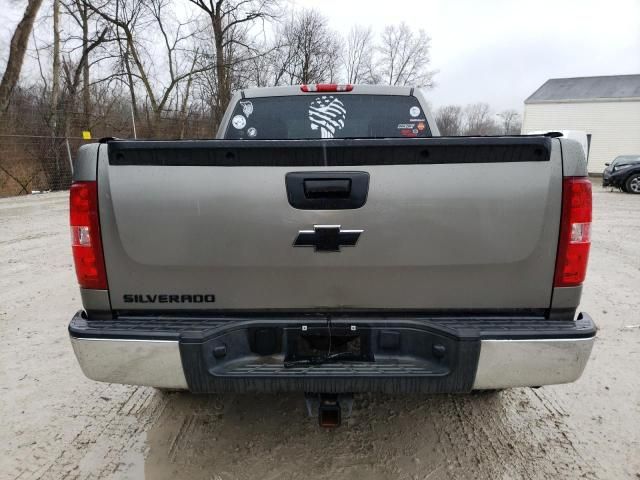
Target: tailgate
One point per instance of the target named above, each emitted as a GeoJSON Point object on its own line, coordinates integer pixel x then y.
{"type": "Point", "coordinates": [445, 224]}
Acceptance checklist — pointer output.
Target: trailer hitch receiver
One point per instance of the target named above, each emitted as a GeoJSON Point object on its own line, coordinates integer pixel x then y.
{"type": "Point", "coordinates": [329, 408]}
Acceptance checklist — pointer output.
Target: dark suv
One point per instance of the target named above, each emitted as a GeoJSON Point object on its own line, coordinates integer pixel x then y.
{"type": "Point", "coordinates": [623, 173]}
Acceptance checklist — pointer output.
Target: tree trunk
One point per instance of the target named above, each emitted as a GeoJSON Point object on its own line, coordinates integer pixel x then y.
{"type": "Point", "coordinates": [17, 50]}
{"type": "Point", "coordinates": [183, 109]}
{"type": "Point", "coordinates": [132, 90]}
{"type": "Point", "coordinates": [55, 71]}
{"type": "Point", "coordinates": [224, 93]}
{"type": "Point", "coordinates": [55, 95]}
{"type": "Point", "coordinates": [86, 94]}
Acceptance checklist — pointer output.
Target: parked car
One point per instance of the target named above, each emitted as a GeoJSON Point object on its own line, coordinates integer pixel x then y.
{"type": "Point", "coordinates": [330, 242]}
{"type": "Point", "coordinates": [623, 173]}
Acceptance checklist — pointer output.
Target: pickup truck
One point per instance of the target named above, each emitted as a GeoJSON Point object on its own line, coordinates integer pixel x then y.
{"type": "Point", "coordinates": [329, 241]}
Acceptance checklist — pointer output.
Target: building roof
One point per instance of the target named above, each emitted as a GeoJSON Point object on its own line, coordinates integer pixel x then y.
{"type": "Point", "coordinates": [585, 89]}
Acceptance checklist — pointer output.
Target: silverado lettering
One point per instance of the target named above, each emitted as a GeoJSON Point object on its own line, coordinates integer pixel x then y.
{"type": "Point", "coordinates": [166, 298]}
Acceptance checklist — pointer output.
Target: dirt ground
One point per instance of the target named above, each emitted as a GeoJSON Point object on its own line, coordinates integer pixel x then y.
{"type": "Point", "coordinates": [55, 423]}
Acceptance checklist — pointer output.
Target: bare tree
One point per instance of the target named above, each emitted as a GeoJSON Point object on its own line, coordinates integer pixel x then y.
{"type": "Point", "coordinates": [81, 14]}
{"type": "Point", "coordinates": [308, 50]}
{"type": "Point", "coordinates": [55, 70]}
{"type": "Point", "coordinates": [226, 18]}
{"type": "Point", "coordinates": [510, 122]}
{"type": "Point", "coordinates": [245, 65]}
{"type": "Point", "coordinates": [17, 49]}
{"type": "Point", "coordinates": [123, 17]}
{"type": "Point", "coordinates": [261, 70]}
{"type": "Point", "coordinates": [404, 57]}
{"type": "Point", "coordinates": [450, 120]}
{"type": "Point", "coordinates": [479, 120]}
{"type": "Point", "coordinates": [73, 72]}
{"type": "Point", "coordinates": [161, 78]}
{"type": "Point", "coordinates": [357, 56]}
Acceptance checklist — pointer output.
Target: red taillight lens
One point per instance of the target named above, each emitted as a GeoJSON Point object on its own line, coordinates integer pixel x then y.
{"type": "Point", "coordinates": [327, 87]}
{"type": "Point", "coordinates": [85, 236]}
{"type": "Point", "coordinates": [575, 232]}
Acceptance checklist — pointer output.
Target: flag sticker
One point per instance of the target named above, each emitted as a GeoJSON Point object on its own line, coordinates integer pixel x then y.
{"type": "Point", "coordinates": [328, 114]}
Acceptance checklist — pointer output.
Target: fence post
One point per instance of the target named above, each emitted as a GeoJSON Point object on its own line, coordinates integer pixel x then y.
{"type": "Point", "coordinates": [133, 121]}
{"type": "Point", "coordinates": [69, 153]}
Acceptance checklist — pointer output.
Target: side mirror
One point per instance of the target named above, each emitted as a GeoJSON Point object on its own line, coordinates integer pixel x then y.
{"type": "Point", "coordinates": [607, 164]}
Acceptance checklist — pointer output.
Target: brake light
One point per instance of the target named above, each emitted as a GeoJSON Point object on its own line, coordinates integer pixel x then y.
{"type": "Point", "coordinates": [575, 232]}
{"type": "Point", "coordinates": [327, 87]}
{"type": "Point", "coordinates": [85, 236]}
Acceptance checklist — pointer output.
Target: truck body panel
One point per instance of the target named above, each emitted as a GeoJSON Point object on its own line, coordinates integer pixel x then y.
{"type": "Point", "coordinates": [228, 231]}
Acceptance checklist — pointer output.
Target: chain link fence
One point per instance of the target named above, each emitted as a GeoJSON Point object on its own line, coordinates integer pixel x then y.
{"type": "Point", "coordinates": [35, 157]}
{"type": "Point", "coordinates": [33, 163]}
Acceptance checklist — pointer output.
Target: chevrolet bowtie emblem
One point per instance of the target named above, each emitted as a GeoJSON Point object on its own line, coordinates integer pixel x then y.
{"type": "Point", "coordinates": [327, 238]}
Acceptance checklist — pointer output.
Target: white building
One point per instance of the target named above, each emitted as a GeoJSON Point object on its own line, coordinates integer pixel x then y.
{"type": "Point", "coordinates": [606, 108]}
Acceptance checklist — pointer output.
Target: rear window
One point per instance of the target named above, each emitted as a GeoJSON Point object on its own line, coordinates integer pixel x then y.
{"type": "Point", "coordinates": [327, 116]}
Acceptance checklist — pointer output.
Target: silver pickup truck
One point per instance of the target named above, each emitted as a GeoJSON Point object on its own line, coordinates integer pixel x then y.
{"type": "Point", "coordinates": [329, 241]}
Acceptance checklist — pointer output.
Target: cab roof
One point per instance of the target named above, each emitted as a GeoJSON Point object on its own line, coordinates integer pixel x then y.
{"type": "Point", "coordinates": [289, 90]}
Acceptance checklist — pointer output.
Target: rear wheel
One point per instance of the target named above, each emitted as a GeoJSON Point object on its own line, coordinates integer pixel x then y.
{"type": "Point", "coordinates": [632, 185]}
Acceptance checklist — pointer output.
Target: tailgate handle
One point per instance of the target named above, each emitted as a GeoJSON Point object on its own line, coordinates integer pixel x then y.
{"type": "Point", "coordinates": [327, 188]}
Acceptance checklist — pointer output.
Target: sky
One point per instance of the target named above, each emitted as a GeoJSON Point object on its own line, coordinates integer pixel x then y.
{"type": "Point", "coordinates": [494, 51]}
{"type": "Point", "coordinates": [500, 52]}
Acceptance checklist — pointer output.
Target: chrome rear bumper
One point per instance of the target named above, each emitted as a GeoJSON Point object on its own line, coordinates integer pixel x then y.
{"type": "Point", "coordinates": [531, 363]}
{"type": "Point", "coordinates": [502, 363]}
{"type": "Point", "coordinates": [518, 359]}
{"type": "Point", "coordinates": [154, 363]}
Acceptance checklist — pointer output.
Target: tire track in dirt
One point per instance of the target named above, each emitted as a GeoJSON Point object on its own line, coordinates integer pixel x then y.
{"type": "Point", "coordinates": [388, 437]}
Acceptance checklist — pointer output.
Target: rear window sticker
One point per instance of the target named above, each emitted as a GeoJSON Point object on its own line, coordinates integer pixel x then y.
{"type": "Point", "coordinates": [328, 114]}
{"type": "Point", "coordinates": [407, 132]}
{"type": "Point", "coordinates": [405, 125]}
{"type": "Point", "coordinates": [239, 122]}
{"type": "Point", "coordinates": [247, 108]}
{"type": "Point", "coordinates": [414, 111]}
{"type": "Point", "coordinates": [421, 126]}
{"type": "Point", "coordinates": [252, 132]}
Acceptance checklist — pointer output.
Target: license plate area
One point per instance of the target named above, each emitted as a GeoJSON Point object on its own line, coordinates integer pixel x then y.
{"type": "Point", "coordinates": [329, 344]}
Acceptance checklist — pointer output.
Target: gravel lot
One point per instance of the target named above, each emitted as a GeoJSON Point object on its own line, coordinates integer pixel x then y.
{"type": "Point", "coordinates": [54, 423]}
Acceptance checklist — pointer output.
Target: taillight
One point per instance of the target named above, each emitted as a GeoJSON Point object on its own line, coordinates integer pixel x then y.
{"type": "Point", "coordinates": [575, 232]}
{"type": "Point", "coordinates": [327, 87]}
{"type": "Point", "coordinates": [85, 236]}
